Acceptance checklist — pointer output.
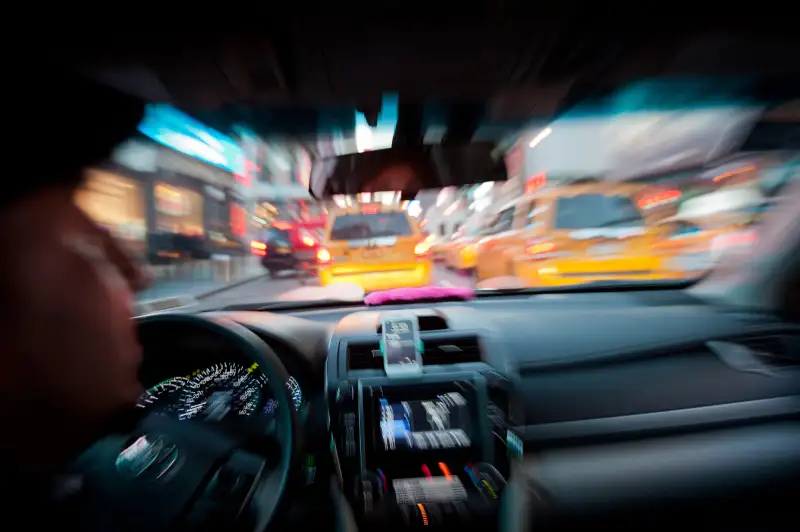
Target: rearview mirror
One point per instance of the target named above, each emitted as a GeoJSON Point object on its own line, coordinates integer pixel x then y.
{"type": "Point", "coordinates": [408, 170]}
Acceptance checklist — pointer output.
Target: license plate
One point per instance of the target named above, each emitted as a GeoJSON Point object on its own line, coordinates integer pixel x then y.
{"type": "Point", "coordinates": [284, 251]}
{"type": "Point", "coordinates": [372, 253]}
{"type": "Point", "coordinates": [605, 249]}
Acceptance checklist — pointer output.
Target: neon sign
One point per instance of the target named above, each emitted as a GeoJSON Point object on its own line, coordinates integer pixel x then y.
{"type": "Point", "coordinates": [179, 131]}
{"type": "Point", "coordinates": [536, 182]}
{"type": "Point", "coordinates": [660, 198]}
{"type": "Point", "coordinates": [238, 220]}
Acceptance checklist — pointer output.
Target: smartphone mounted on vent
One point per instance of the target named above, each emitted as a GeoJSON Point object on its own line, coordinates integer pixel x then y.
{"type": "Point", "coordinates": [400, 344]}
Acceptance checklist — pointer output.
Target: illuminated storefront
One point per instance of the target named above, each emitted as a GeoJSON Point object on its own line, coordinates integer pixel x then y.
{"type": "Point", "coordinates": [178, 210]}
{"type": "Point", "coordinates": [191, 216]}
{"type": "Point", "coordinates": [194, 187]}
{"type": "Point", "coordinates": [118, 204]}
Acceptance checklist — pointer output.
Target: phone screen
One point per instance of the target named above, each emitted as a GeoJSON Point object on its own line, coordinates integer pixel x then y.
{"type": "Point", "coordinates": [400, 342]}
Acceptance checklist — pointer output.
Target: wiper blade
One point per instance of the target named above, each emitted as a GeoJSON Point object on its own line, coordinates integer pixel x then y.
{"type": "Point", "coordinates": [593, 286]}
{"type": "Point", "coordinates": [310, 304]}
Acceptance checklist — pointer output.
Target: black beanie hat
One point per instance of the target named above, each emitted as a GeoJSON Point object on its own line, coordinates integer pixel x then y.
{"type": "Point", "coordinates": [66, 123]}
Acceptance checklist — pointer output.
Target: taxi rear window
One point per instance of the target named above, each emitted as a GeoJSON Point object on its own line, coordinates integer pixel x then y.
{"type": "Point", "coordinates": [358, 226]}
{"type": "Point", "coordinates": [596, 210]}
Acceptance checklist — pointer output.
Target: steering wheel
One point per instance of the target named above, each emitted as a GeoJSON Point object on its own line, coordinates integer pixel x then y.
{"type": "Point", "coordinates": [168, 473]}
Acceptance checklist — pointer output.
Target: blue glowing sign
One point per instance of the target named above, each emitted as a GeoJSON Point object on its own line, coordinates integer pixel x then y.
{"type": "Point", "coordinates": [174, 129]}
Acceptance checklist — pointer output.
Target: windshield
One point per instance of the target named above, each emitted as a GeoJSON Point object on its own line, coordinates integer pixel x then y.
{"type": "Point", "coordinates": [358, 226]}
{"type": "Point", "coordinates": [595, 210]}
{"type": "Point", "coordinates": [594, 198]}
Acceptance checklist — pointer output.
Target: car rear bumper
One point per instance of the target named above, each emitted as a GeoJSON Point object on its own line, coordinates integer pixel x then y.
{"type": "Point", "coordinates": [279, 262]}
{"type": "Point", "coordinates": [414, 275]}
{"type": "Point", "coordinates": [561, 272]}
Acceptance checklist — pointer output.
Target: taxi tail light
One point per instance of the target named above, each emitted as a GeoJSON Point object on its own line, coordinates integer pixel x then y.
{"type": "Point", "coordinates": [323, 256]}
{"type": "Point", "coordinates": [422, 248]}
{"type": "Point", "coordinates": [537, 250]}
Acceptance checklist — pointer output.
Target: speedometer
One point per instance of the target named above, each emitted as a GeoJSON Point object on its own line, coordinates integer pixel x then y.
{"type": "Point", "coordinates": [218, 392]}
{"type": "Point", "coordinates": [163, 397]}
{"type": "Point", "coordinates": [295, 393]}
{"type": "Point", "coordinates": [222, 390]}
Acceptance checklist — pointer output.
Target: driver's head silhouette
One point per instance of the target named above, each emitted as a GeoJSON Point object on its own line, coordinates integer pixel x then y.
{"type": "Point", "coordinates": [70, 354]}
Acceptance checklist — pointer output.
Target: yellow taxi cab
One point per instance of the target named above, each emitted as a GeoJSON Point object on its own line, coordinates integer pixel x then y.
{"type": "Point", "coordinates": [438, 247]}
{"type": "Point", "coordinates": [691, 246]}
{"type": "Point", "coordinates": [573, 234]}
{"type": "Point", "coordinates": [459, 253]}
{"type": "Point", "coordinates": [495, 251]}
{"type": "Point", "coordinates": [376, 247]}
{"type": "Point", "coordinates": [686, 245]}
{"type": "Point", "coordinates": [708, 225]}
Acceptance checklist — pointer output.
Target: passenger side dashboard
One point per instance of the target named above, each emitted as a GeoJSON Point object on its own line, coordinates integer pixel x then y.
{"type": "Point", "coordinates": [645, 401]}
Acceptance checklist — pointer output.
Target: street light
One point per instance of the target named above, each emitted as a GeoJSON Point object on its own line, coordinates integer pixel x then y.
{"type": "Point", "coordinates": [540, 137]}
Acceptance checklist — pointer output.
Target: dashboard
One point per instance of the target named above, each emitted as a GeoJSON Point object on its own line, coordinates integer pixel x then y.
{"type": "Point", "coordinates": [579, 404]}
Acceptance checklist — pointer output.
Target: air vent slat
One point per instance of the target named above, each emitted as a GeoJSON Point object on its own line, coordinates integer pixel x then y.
{"type": "Point", "coordinates": [442, 351]}
{"type": "Point", "coordinates": [363, 356]}
{"type": "Point", "coordinates": [438, 351]}
{"type": "Point", "coordinates": [774, 351]}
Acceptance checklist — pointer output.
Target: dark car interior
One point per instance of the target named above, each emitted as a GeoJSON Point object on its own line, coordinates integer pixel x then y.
{"type": "Point", "coordinates": [617, 408]}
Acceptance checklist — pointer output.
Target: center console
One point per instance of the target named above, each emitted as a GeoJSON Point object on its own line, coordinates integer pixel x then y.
{"type": "Point", "coordinates": [427, 450]}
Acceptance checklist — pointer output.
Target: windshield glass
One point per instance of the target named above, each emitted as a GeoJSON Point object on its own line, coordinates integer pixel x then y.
{"type": "Point", "coordinates": [357, 226]}
{"type": "Point", "coordinates": [595, 210]}
{"type": "Point", "coordinates": [589, 198]}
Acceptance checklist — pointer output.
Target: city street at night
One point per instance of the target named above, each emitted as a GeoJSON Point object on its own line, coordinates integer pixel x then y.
{"type": "Point", "coordinates": [266, 289]}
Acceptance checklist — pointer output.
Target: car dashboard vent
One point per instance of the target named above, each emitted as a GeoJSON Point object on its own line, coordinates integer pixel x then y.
{"type": "Point", "coordinates": [767, 355]}
{"type": "Point", "coordinates": [777, 352]}
{"type": "Point", "coordinates": [440, 351]}
{"type": "Point", "coordinates": [364, 356]}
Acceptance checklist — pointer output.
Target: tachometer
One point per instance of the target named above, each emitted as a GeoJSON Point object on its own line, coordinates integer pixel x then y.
{"type": "Point", "coordinates": [163, 396]}
{"type": "Point", "coordinates": [222, 390]}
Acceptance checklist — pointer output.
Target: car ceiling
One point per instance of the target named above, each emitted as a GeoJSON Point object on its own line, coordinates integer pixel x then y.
{"type": "Point", "coordinates": [511, 63]}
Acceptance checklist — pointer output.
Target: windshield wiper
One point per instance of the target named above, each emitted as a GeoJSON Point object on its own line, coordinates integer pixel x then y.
{"type": "Point", "coordinates": [310, 304]}
{"type": "Point", "coordinates": [593, 286]}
